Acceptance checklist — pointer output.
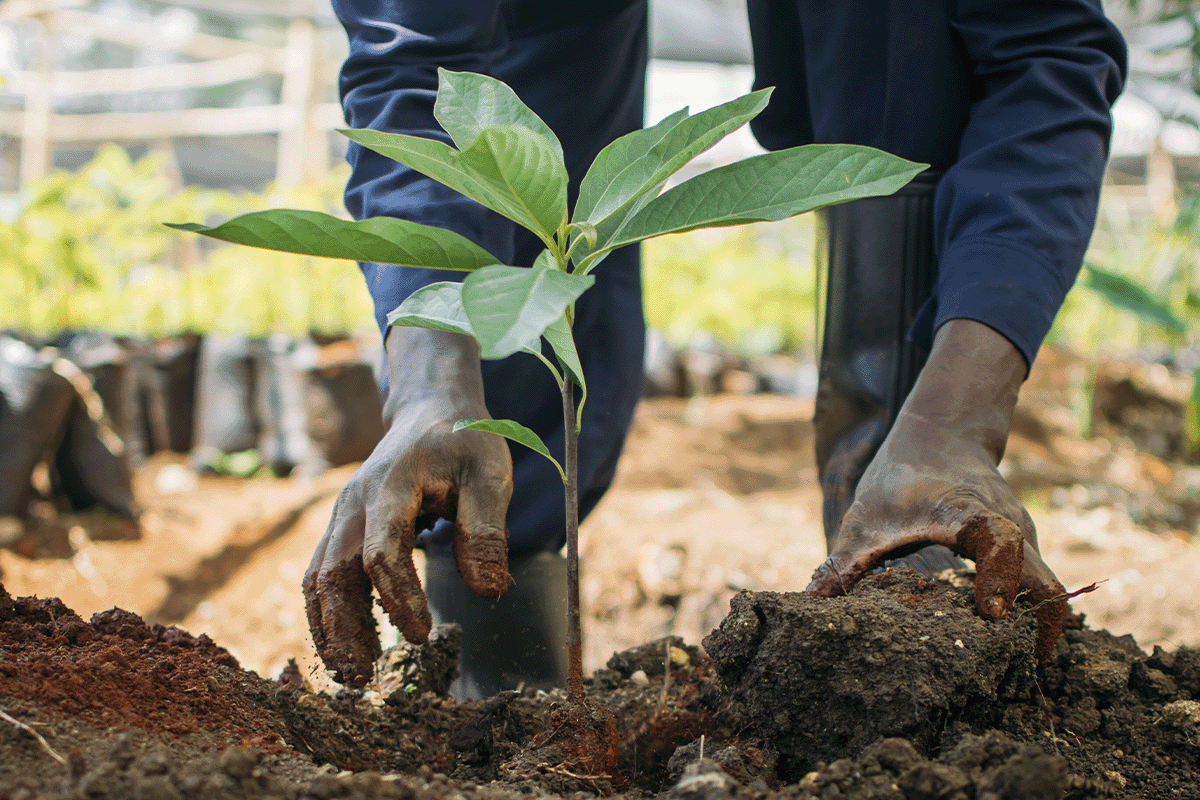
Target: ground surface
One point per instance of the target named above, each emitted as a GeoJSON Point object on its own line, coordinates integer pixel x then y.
{"type": "Point", "coordinates": [715, 496]}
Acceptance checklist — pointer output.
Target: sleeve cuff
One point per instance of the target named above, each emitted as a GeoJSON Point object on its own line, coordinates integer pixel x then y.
{"type": "Point", "coordinates": [1001, 284]}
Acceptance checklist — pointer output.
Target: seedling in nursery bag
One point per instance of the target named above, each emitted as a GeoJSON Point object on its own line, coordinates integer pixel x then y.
{"type": "Point", "coordinates": [506, 158]}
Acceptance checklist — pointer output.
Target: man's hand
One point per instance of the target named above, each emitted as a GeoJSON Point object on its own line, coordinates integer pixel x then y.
{"type": "Point", "coordinates": [934, 481]}
{"type": "Point", "coordinates": [419, 471]}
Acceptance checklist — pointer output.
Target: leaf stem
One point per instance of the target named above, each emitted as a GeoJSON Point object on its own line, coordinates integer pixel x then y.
{"type": "Point", "coordinates": [558, 376]}
{"type": "Point", "coordinates": [575, 692]}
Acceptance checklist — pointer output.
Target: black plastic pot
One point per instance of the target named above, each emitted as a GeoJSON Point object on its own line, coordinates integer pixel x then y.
{"type": "Point", "coordinates": [34, 404]}
{"type": "Point", "coordinates": [160, 402]}
{"type": "Point", "coordinates": [344, 411]}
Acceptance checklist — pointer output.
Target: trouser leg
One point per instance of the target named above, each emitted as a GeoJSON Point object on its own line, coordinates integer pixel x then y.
{"type": "Point", "coordinates": [592, 93]}
{"type": "Point", "coordinates": [881, 268]}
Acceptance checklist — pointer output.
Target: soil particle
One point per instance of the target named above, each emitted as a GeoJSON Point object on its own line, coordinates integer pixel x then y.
{"type": "Point", "coordinates": [408, 670]}
{"type": "Point", "coordinates": [703, 780]}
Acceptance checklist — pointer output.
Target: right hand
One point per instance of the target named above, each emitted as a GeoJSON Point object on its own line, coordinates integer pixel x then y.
{"type": "Point", "coordinates": [420, 471]}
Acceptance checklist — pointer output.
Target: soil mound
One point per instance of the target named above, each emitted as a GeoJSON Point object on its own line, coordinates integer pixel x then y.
{"type": "Point", "coordinates": [898, 691]}
{"type": "Point", "coordinates": [906, 661]}
{"type": "Point", "coordinates": [823, 678]}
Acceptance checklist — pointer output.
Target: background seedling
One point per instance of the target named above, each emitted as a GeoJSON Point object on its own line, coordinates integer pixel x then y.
{"type": "Point", "coordinates": [506, 158]}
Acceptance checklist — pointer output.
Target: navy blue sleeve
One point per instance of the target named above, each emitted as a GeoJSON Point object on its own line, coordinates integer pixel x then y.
{"type": "Point", "coordinates": [389, 82]}
{"type": "Point", "coordinates": [1015, 211]}
{"type": "Point", "coordinates": [1009, 99]}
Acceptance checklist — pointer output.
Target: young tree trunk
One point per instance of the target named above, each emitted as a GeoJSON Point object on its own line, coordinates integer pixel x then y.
{"type": "Point", "coordinates": [574, 637]}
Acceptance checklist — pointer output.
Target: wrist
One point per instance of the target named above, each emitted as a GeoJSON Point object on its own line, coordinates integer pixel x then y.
{"type": "Point", "coordinates": [969, 384]}
{"type": "Point", "coordinates": [431, 365]}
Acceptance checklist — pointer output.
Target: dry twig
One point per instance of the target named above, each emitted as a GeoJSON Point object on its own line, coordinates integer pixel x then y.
{"type": "Point", "coordinates": [1058, 598]}
{"type": "Point", "coordinates": [22, 726]}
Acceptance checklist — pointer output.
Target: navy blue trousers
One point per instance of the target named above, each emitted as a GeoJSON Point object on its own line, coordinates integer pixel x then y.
{"type": "Point", "coordinates": [1009, 99]}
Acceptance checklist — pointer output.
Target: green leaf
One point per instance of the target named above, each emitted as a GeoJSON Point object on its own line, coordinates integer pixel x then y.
{"type": "Point", "coordinates": [383, 240]}
{"type": "Point", "coordinates": [510, 307]}
{"type": "Point", "coordinates": [545, 260]}
{"type": "Point", "coordinates": [640, 161]}
{"type": "Point", "coordinates": [511, 430]}
{"type": "Point", "coordinates": [585, 229]}
{"type": "Point", "coordinates": [467, 103]}
{"type": "Point", "coordinates": [525, 173]}
{"type": "Point", "coordinates": [1130, 296]}
{"type": "Point", "coordinates": [437, 306]}
{"type": "Point", "coordinates": [507, 168]}
{"type": "Point", "coordinates": [558, 334]}
{"type": "Point", "coordinates": [772, 186]}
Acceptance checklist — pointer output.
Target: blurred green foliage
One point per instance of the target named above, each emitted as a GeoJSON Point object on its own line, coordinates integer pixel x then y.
{"type": "Point", "coordinates": [88, 250]}
{"type": "Point", "coordinates": [753, 287]}
{"type": "Point", "coordinates": [1140, 286]}
{"type": "Point", "coordinates": [1140, 290]}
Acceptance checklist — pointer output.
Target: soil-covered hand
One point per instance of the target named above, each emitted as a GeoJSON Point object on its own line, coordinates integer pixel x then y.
{"type": "Point", "coordinates": [935, 481]}
{"type": "Point", "coordinates": [421, 470]}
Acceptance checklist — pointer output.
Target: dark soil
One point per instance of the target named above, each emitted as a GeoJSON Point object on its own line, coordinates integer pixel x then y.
{"type": "Point", "coordinates": [897, 691]}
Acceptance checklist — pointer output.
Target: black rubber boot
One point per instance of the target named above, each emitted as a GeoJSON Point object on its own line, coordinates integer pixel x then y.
{"type": "Point", "coordinates": [518, 641]}
{"type": "Point", "coordinates": [881, 269]}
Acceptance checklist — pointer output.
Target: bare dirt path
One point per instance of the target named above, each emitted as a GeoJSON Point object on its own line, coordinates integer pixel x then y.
{"type": "Point", "coordinates": [714, 495]}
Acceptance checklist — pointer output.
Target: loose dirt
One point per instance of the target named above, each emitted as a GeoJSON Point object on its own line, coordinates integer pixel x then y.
{"type": "Point", "coordinates": [714, 505]}
{"type": "Point", "coordinates": [897, 691]}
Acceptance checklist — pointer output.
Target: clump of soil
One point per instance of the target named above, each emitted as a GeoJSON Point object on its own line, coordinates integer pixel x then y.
{"type": "Point", "coordinates": [823, 681]}
{"type": "Point", "coordinates": [896, 691]}
{"type": "Point", "coordinates": [822, 678]}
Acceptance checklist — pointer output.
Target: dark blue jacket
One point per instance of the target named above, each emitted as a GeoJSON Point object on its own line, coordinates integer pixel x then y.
{"type": "Point", "coordinates": [1011, 99]}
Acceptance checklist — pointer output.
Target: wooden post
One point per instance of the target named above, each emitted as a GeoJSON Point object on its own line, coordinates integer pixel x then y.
{"type": "Point", "coordinates": [185, 250]}
{"type": "Point", "coordinates": [36, 152]}
{"type": "Point", "coordinates": [298, 98]}
{"type": "Point", "coordinates": [1160, 182]}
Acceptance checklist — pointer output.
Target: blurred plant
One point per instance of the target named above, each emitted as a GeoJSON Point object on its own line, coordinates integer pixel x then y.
{"type": "Point", "coordinates": [1179, 23]}
{"type": "Point", "coordinates": [86, 250]}
{"type": "Point", "coordinates": [751, 287]}
{"type": "Point", "coordinates": [1149, 273]}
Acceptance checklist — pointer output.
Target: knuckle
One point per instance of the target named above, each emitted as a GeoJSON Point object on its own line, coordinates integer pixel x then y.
{"type": "Point", "coordinates": [957, 499]}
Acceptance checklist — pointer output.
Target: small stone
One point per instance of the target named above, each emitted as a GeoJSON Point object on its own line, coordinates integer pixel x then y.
{"type": "Point", "coordinates": [639, 678]}
{"type": "Point", "coordinates": [1182, 714]}
{"type": "Point", "coordinates": [680, 658]}
{"type": "Point", "coordinates": [703, 780]}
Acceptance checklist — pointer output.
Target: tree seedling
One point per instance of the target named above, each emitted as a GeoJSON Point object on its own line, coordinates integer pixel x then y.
{"type": "Point", "coordinates": [506, 158]}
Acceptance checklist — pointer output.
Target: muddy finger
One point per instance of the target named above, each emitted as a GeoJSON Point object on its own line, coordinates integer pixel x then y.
{"type": "Point", "coordinates": [480, 538]}
{"type": "Point", "coordinates": [836, 576]}
{"type": "Point", "coordinates": [1049, 600]}
{"type": "Point", "coordinates": [338, 601]}
{"type": "Point", "coordinates": [859, 547]}
{"type": "Point", "coordinates": [996, 546]}
{"type": "Point", "coordinates": [312, 596]}
{"type": "Point", "coordinates": [387, 556]}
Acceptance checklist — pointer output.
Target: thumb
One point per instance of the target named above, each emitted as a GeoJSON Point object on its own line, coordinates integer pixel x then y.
{"type": "Point", "coordinates": [481, 538]}
{"type": "Point", "coordinates": [859, 546]}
